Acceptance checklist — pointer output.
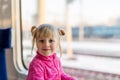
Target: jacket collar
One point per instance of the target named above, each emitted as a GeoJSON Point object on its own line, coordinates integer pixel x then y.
{"type": "Point", "coordinates": [46, 58]}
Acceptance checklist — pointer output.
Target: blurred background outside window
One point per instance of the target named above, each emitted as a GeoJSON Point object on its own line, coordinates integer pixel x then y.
{"type": "Point", "coordinates": [92, 28]}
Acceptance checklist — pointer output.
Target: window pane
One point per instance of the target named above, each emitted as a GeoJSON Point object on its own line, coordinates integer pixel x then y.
{"type": "Point", "coordinates": [29, 18]}
{"type": "Point", "coordinates": [92, 27]}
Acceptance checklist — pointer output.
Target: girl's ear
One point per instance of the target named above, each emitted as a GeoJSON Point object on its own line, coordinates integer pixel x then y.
{"type": "Point", "coordinates": [36, 43]}
{"type": "Point", "coordinates": [58, 43]}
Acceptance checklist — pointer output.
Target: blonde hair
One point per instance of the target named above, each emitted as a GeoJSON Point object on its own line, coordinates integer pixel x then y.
{"type": "Point", "coordinates": [46, 30]}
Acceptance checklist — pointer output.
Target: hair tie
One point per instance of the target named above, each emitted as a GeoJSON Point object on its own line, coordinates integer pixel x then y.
{"type": "Point", "coordinates": [33, 30]}
{"type": "Point", "coordinates": [61, 32]}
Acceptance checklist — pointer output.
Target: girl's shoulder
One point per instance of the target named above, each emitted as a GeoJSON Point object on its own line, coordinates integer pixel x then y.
{"type": "Point", "coordinates": [36, 62]}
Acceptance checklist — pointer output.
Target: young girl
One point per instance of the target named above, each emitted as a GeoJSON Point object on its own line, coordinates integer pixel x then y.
{"type": "Point", "coordinates": [46, 65]}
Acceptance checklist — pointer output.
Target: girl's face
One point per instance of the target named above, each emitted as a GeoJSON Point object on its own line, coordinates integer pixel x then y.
{"type": "Point", "coordinates": [47, 45]}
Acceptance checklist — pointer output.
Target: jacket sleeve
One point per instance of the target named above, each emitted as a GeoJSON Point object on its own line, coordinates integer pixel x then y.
{"type": "Point", "coordinates": [65, 76]}
{"type": "Point", "coordinates": [35, 72]}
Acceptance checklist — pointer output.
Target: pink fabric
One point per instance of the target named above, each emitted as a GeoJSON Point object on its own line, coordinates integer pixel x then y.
{"type": "Point", "coordinates": [47, 68]}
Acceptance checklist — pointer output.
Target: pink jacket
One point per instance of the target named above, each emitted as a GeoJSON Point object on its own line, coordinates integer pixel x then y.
{"type": "Point", "coordinates": [47, 68]}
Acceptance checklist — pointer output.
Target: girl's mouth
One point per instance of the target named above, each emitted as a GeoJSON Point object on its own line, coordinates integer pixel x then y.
{"type": "Point", "coordinates": [46, 49]}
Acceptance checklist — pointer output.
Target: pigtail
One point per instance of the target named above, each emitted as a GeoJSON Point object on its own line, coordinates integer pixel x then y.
{"type": "Point", "coordinates": [34, 32]}
{"type": "Point", "coordinates": [61, 33]}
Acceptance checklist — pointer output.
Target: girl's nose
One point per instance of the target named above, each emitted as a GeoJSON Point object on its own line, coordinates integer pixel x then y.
{"type": "Point", "coordinates": [47, 43]}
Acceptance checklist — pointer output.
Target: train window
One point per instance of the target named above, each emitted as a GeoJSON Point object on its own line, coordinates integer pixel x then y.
{"type": "Point", "coordinates": [92, 27]}
{"type": "Point", "coordinates": [35, 13]}
{"type": "Point", "coordinates": [29, 17]}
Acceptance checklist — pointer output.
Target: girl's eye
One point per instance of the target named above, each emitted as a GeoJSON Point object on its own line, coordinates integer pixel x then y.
{"type": "Point", "coordinates": [42, 41]}
{"type": "Point", "coordinates": [51, 40]}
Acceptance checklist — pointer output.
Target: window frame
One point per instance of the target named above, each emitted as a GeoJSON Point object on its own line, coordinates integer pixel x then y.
{"type": "Point", "coordinates": [17, 26]}
{"type": "Point", "coordinates": [17, 37]}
